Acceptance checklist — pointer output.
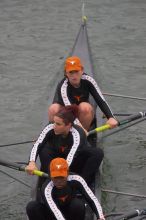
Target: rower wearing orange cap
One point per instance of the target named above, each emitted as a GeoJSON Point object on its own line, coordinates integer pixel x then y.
{"type": "Point", "coordinates": [65, 139]}
{"type": "Point", "coordinates": [75, 88]}
{"type": "Point", "coordinates": [59, 196]}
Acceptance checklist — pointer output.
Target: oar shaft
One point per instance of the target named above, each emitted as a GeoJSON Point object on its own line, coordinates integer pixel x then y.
{"type": "Point", "coordinates": [14, 178]}
{"type": "Point", "coordinates": [132, 118]}
{"type": "Point", "coordinates": [122, 122]}
{"type": "Point", "coordinates": [124, 96]}
{"type": "Point", "coordinates": [133, 214]}
{"type": "Point", "coordinates": [12, 165]}
{"type": "Point", "coordinates": [120, 129]}
{"type": "Point", "coordinates": [22, 168]}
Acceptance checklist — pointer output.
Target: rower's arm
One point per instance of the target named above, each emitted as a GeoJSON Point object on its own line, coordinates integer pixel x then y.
{"type": "Point", "coordinates": [99, 98]}
{"type": "Point", "coordinates": [79, 142]}
{"type": "Point", "coordinates": [46, 190]}
{"type": "Point", "coordinates": [88, 195]}
{"type": "Point", "coordinates": [58, 97]}
{"type": "Point", "coordinates": [40, 142]}
{"type": "Point", "coordinates": [92, 201]}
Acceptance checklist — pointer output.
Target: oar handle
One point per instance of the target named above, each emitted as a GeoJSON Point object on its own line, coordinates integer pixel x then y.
{"type": "Point", "coordinates": [102, 128]}
{"type": "Point", "coordinates": [40, 173]}
{"type": "Point", "coordinates": [99, 129]}
{"type": "Point", "coordinates": [122, 122]}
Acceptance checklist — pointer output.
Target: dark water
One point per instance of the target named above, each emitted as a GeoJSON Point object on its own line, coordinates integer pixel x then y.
{"type": "Point", "coordinates": [35, 37]}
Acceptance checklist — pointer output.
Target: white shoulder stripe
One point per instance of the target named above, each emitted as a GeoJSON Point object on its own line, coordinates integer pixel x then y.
{"type": "Point", "coordinates": [65, 96]}
{"type": "Point", "coordinates": [76, 121]}
{"type": "Point", "coordinates": [91, 80]}
{"type": "Point", "coordinates": [51, 203]}
{"type": "Point", "coordinates": [64, 92]}
{"type": "Point", "coordinates": [89, 192]}
{"type": "Point", "coordinates": [76, 142]}
{"type": "Point", "coordinates": [39, 141]}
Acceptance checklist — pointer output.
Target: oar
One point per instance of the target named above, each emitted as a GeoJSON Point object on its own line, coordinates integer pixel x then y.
{"type": "Point", "coordinates": [18, 143]}
{"type": "Point", "coordinates": [121, 129]}
{"type": "Point", "coordinates": [123, 96]}
{"type": "Point", "coordinates": [14, 178]}
{"type": "Point", "coordinates": [20, 167]}
{"type": "Point", "coordinates": [122, 122]}
{"type": "Point", "coordinates": [132, 214]}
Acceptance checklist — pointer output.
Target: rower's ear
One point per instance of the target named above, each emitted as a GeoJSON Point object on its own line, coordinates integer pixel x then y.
{"type": "Point", "coordinates": [82, 69]}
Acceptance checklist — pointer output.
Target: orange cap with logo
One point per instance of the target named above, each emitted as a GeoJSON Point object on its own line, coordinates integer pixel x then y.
{"type": "Point", "coordinates": [73, 64]}
{"type": "Point", "coordinates": [58, 167]}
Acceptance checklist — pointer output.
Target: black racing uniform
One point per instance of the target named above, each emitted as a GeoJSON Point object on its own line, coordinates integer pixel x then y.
{"type": "Point", "coordinates": [66, 94]}
{"type": "Point", "coordinates": [81, 157]}
{"type": "Point", "coordinates": [63, 203]}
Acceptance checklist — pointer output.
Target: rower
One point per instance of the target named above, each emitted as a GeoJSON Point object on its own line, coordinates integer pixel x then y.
{"type": "Point", "coordinates": [65, 139]}
{"type": "Point", "coordinates": [76, 87]}
{"type": "Point", "coordinates": [59, 199]}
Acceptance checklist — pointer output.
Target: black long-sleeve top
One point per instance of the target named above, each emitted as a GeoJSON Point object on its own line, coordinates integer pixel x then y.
{"type": "Point", "coordinates": [59, 146]}
{"type": "Point", "coordinates": [66, 94]}
{"type": "Point", "coordinates": [56, 199]}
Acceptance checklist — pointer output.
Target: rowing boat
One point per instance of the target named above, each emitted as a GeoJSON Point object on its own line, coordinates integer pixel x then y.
{"type": "Point", "coordinates": [82, 49]}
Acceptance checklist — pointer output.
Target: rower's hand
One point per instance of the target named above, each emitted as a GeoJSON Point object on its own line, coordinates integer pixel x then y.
{"type": "Point", "coordinates": [31, 167]}
{"type": "Point", "coordinates": [112, 122]}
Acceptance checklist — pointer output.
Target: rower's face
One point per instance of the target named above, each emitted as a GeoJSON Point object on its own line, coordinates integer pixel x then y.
{"type": "Point", "coordinates": [60, 127]}
{"type": "Point", "coordinates": [59, 182]}
{"type": "Point", "coordinates": [74, 77]}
